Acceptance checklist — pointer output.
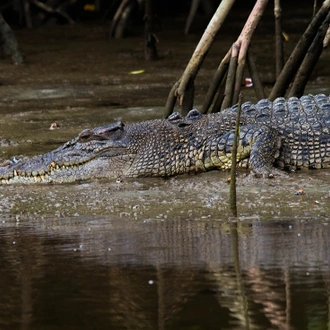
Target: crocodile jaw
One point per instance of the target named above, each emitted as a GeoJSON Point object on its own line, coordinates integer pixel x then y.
{"type": "Point", "coordinates": [56, 172]}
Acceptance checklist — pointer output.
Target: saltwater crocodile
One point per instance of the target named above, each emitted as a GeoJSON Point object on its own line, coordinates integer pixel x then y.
{"type": "Point", "coordinates": [289, 134]}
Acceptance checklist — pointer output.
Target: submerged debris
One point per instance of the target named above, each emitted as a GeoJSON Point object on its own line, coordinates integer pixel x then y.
{"type": "Point", "coordinates": [54, 126]}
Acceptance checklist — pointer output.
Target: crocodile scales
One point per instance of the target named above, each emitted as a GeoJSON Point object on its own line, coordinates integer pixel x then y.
{"type": "Point", "coordinates": [287, 134]}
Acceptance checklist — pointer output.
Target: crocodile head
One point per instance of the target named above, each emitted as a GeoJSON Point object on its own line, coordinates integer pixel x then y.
{"type": "Point", "coordinates": [106, 151]}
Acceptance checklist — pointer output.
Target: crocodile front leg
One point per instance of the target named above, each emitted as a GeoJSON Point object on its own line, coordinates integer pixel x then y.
{"type": "Point", "coordinates": [258, 147]}
{"type": "Point", "coordinates": [265, 149]}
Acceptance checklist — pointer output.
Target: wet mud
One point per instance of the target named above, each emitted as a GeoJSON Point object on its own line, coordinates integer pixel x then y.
{"type": "Point", "coordinates": [201, 196]}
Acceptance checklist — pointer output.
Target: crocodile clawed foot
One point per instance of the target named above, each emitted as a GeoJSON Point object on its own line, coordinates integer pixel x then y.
{"type": "Point", "coordinates": [269, 173]}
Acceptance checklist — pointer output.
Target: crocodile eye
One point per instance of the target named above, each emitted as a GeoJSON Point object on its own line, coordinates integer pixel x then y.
{"type": "Point", "coordinates": [109, 131]}
{"type": "Point", "coordinates": [85, 134]}
{"type": "Point", "coordinates": [193, 114]}
{"type": "Point", "coordinates": [104, 130]}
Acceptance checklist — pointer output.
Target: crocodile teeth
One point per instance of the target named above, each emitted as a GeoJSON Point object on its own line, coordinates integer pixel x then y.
{"type": "Point", "coordinates": [15, 173]}
{"type": "Point", "coordinates": [37, 178]}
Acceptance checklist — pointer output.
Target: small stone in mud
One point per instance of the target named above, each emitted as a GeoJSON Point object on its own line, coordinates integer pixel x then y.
{"type": "Point", "coordinates": [299, 192]}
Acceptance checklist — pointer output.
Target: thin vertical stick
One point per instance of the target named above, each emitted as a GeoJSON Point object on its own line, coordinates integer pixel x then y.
{"type": "Point", "coordinates": [232, 193]}
{"type": "Point", "coordinates": [219, 99]}
{"type": "Point", "coordinates": [244, 41]}
{"type": "Point", "coordinates": [192, 13]}
{"type": "Point", "coordinates": [310, 60]}
{"type": "Point", "coordinates": [187, 102]}
{"type": "Point", "coordinates": [228, 100]}
{"type": "Point", "coordinates": [238, 78]}
{"type": "Point", "coordinates": [234, 78]}
{"type": "Point", "coordinates": [150, 49]}
{"type": "Point", "coordinates": [204, 44]}
{"type": "Point", "coordinates": [243, 301]}
{"type": "Point", "coordinates": [27, 14]}
{"type": "Point", "coordinates": [216, 81]}
{"type": "Point", "coordinates": [201, 50]}
{"type": "Point", "coordinates": [116, 18]}
{"type": "Point", "coordinates": [292, 64]}
{"type": "Point", "coordinates": [171, 100]}
{"type": "Point", "coordinates": [257, 84]}
{"type": "Point", "coordinates": [326, 38]}
{"type": "Point", "coordinates": [278, 37]}
{"type": "Point", "coordinates": [314, 7]}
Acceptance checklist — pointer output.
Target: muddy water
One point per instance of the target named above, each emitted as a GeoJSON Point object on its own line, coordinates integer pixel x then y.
{"type": "Point", "coordinates": [147, 253]}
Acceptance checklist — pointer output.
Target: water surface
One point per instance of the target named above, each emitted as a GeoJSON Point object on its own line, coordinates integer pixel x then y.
{"type": "Point", "coordinates": [120, 273]}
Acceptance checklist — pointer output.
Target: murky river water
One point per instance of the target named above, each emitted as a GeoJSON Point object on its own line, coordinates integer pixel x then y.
{"type": "Point", "coordinates": [147, 253]}
{"type": "Point", "coordinates": [109, 272]}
